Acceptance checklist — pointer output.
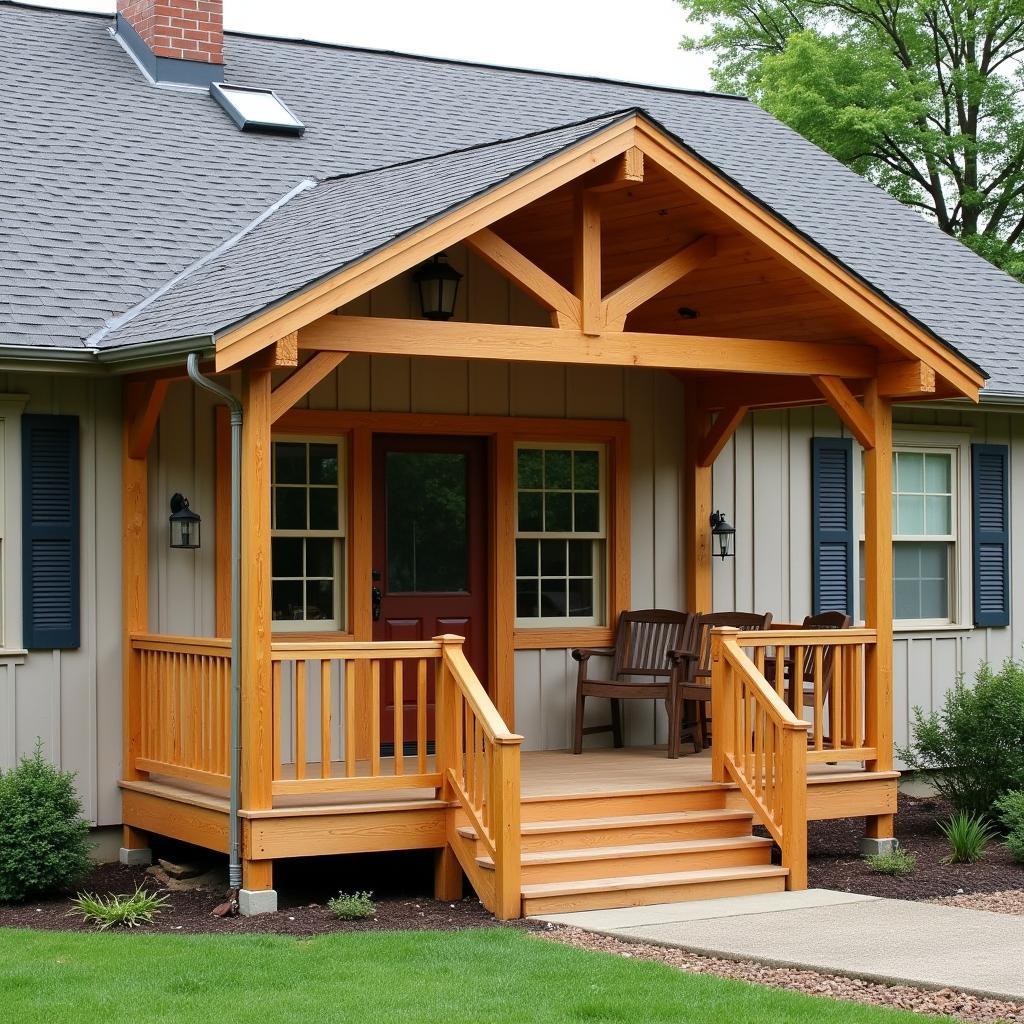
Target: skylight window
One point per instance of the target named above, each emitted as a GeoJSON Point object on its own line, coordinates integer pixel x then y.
{"type": "Point", "coordinates": [259, 110]}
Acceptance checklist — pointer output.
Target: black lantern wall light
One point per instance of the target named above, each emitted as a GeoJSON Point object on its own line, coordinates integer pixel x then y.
{"type": "Point", "coordinates": [723, 536]}
{"type": "Point", "coordinates": [438, 284]}
{"type": "Point", "coordinates": [184, 524]}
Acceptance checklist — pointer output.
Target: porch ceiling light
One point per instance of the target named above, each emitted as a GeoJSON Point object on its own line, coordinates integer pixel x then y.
{"type": "Point", "coordinates": [438, 284]}
{"type": "Point", "coordinates": [723, 536]}
{"type": "Point", "coordinates": [184, 524]}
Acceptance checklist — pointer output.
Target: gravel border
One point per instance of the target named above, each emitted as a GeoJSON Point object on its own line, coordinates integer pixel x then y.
{"type": "Point", "coordinates": [1008, 901]}
{"type": "Point", "coordinates": [948, 1002]}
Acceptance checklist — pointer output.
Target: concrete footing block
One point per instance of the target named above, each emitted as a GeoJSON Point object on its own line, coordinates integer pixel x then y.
{"type": "Point", "coordinates": [257, 901]}
{"type": "Point", "coordinates": [874, 847]}
{"type": "Point", "coordinates": [136, 858]}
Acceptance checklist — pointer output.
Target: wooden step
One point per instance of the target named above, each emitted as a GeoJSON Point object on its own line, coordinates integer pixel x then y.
{"type": "Point", "coordinates": [631, 829]}
{"type": "Point", "coordinates": [606, 805]}
{"type": "Point", "coordinates": [642, 890]}
{"type": "Point", "coordinates": [641, 859]}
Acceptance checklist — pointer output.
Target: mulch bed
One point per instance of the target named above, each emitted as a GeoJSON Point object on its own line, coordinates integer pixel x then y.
{"type": "Point", "coordinates": [302, 905]}
{"type": "Point", "coordinates": [834, 861]}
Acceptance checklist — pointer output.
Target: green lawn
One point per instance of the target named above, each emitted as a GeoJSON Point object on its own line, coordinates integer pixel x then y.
{"type": "Point", "coordinates": [448, 978]}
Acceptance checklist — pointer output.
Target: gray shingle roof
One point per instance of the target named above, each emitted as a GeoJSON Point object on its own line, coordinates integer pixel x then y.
{"type": "Point", "coordinates": [110, 187]}
{"type": "Point", "coordinates": [324, 228]}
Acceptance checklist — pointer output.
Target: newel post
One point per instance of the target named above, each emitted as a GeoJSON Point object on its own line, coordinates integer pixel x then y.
{"type": "Point", "coordinates": [506, 827]}
{"type": "Point", "coordinates": [448, 879]}
{"type": "Point", "coordinates": [723, 701]}
{"type": "Point", "coordinates": [793, 805]}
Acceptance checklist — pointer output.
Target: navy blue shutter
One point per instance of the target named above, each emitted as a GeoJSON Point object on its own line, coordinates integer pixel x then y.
{"type": "Point", "coordinates": [50, 531]}
{"type": "Point", "coordinates": [991, 530]}
{"type": "Point", "coordinates": [832, 539]}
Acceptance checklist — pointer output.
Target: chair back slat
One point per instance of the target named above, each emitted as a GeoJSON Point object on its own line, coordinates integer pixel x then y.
{"type": "Point", "coordinates": [643, 641]}
{"type": "Point", "coordinates": [824, 620]}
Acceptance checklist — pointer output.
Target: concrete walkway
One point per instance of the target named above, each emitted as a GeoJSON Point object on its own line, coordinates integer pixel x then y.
{"type": "Point", "coordinates": [921, 944]}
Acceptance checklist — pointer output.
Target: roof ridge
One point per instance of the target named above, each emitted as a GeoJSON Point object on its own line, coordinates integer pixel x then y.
{"type": "Point", "coordinates": [116, 322]}
{"type": "Point", "coordinates": [620, 113]}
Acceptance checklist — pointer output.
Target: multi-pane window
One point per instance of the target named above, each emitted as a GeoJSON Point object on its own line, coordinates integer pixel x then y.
{"type": "Point", "coordinates": [924, 534]}
{"type": "Point", "coordinates": [560, 535]}
{"type": "Point", "coordinates": [307, 530]}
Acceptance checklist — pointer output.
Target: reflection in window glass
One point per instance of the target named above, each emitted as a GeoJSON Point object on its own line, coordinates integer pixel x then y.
{"type": "Point", "coordinates": [427, 527]}
{"type": "Point", "coordinates": [560, 535]}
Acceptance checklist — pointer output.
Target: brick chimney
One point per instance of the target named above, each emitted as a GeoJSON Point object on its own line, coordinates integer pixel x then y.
{"type": "Point", "coordinates": [180, 41]}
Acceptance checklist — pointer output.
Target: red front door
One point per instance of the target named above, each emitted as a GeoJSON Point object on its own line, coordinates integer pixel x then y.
{"type": "Point", "coordinates": [429, 551]}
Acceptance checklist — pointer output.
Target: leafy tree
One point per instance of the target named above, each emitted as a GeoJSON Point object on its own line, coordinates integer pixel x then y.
{"type": "Point", "coordinates": [923, 97]}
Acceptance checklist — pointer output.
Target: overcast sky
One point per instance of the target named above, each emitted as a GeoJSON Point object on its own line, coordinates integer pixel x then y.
{"type": "Point", "coordinates": [636, 40]}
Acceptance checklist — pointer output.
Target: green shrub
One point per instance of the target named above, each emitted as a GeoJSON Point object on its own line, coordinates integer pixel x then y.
{"type": "Point", "coordinates": [968, 835]}
{"type": "Point", "coordinates": [352, 906]}
{"type": "Point", "coordinates": [43, 839]}
{"type": "Point", "coordinates": [1010, 808]}
{"type": "Point", "coordinates": [975, 744]}
{"type": "Point", "coordinates": [895, 862]}
{"type": "Point", "coordinates": [118, 911]}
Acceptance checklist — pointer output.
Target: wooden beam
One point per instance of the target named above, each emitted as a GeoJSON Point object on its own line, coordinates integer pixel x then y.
{"type": "Point", "coordinates": [645, 286]}
{"type": "Point", "coordinates": [302, 381]}
{"type": "Point", "coordinates": [586, 264]}
{"type": "Point", "coordinates": [622, 172]}
{"type": "Point", "coordinates": [718, 434]}
{"type": "Point", "coordinates": [385, 336]}
{"type": "Point", "coordinates": [146, 416]}
{"type": "Point", "coordinates": [725, 390]}
{"type": "Point", "coordinates": [908, 379]}
{"type": "Point", "coordinates": [850, 411]}
{"type": "Point", "coordinates": [524, 273]}
{"type": "Point", "coordinates": [697, 514]}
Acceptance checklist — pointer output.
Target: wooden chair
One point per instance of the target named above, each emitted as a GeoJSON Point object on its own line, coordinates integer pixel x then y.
{"type": "Point", "coordinates": [692, 666]}
{"type": "Point", "coordinates": [640, 671]}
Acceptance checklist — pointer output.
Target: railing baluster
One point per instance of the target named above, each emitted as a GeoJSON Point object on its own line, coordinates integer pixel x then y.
{"type": "Point", "coordinates": [421, 716]}
{"type": "Point", "coordinates": [375, 717]}
{"type": "Point", "coordinates": [836, 705]}
{"type": "Point", "coordinates": [399, 726]}
{"type": "Point", "coordinates": [278, 721]}
{"type": "Point", "coordinates": [348, 674]}
{"type": "Point", "coordinates": [857, 678]}
{"type": "Point", "coordinates": [819, 699]}
{"type": "Point", "coordinates": [325, 718]}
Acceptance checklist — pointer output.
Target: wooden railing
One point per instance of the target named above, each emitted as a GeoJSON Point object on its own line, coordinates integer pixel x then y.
{"type": "Point", "coordinates": [328, 700]}
{"type": "Point", "coordinates": [759, 744]}
{"type": "Point", "coordinates": [820, 674]}
{"type": "Point", "coordinates": [181, 687]}
{"type": "Point", "coordinates": [480, 759]}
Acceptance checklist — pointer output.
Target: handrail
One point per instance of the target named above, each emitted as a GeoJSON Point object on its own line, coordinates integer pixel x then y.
{"type": "Point", "coordinates": [760, 744]}
{"type": "Point", "coordinates": [480, 761]}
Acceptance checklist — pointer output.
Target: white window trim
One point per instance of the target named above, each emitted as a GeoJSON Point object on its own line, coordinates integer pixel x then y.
{"type": "Point", "coordinates": [337, 624]}
{"type": "Point", "coordinates": [601, 565]}
{"type": "Point", "coordinates": [961, 594]}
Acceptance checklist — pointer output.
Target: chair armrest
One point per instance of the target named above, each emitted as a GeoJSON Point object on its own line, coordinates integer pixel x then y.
{"type": "Point", "coordinates": [581, 654]}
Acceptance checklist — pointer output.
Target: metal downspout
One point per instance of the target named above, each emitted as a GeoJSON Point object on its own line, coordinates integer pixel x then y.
{"type": "Point", "coordinates": [234, 779]}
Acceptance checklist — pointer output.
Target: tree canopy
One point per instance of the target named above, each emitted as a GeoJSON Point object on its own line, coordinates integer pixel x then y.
{"type": "Point", "coordinates": [923, 97]}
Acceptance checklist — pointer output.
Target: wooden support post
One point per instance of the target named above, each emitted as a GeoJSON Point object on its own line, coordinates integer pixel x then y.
{"type": "Point", "coordinates": [134, 573]}
{"type": "Point", "coordinates": [257, 694]}
{"type": "Point", "coordinates": [503, 681]}
{"type": "Point", "coordinates": [448, 877]}
{"type": "Point", "coordinates": [587, 260]}
{"type": "Point", "coordinates": [723, 708]}
{"type": "Point", "coordinates": [878, 594]}
{"type": "Point", "coordinates": [698, 509]}
{"type": "Point", "coordinates": [257, 875]}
